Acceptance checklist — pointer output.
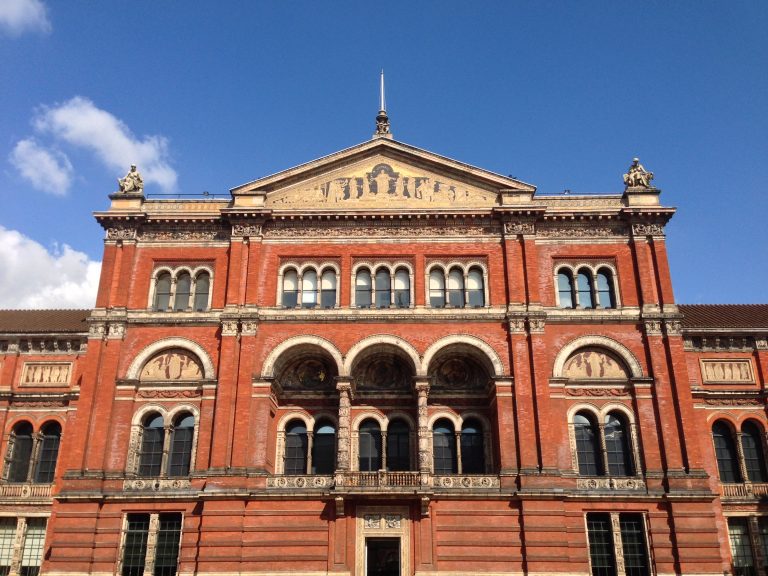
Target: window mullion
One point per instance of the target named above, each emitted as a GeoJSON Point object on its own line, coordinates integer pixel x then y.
{"type": "Point", "coordinates": [37, 440]}
{"type": "Point", "coordinates": [18, 545]}
{"type": "Point", "coordinates": [149, 559]}
{"type": "Point", "coordinates": [310, 447]}
{"type": "Point", "coordinates": [172, 297]}
{"type": "Point", "coordinates": [458, 451]}
{"type": "Point", "coordinates": [754, 538]}
{"type": "Point", "coordinates": [383, 450]}
{"type": "Point", "coordinates": [604, 451]}
{"type": "Point", "coordinates": [618, 548]}
{"type": "Point", "coordinates": [9, 455]}
{"type": "Point", "coordinates": [635, 447]}
{"type": "Point", "coordinates": [164, 462]}
{"type": "Point", "coordinates": [742, 461]}
{"type": "Point", "coordinates": [465, 294]}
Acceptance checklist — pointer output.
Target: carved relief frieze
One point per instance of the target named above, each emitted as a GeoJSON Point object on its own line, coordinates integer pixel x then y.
{"type": "Point", "coordinates": [168, 394]}
{"type": "Point", "coordinates": [46, 373]}
{"type": "Point", "coordinates": [183, 234]}
{"type": "Point", "coordinates": [175, 364]}
{"type": "Point", "coordinates": [249, 327]}
{"type": "Point", "coordinates": [121, 233]}
{"type": "Point", "coordinates": [455, 227]}
{"type": "Point", "coordinates": [582, 392]}
{"type": "Point", "coordinates": [299, 482]}
{"type": "Point", "coordinates": [514, 228]}
{"type": "Point", "coordinates": [727, 371]}
{"type": "Point", "coordinates": [647, 229]}
{"type": "Point", "coordinates": [722, 343]}
{"type": "Point", "coordinates": [246, 230]}
{"type": "Point", "coordinates": [610, 484]}
{"type": "Point", "coordinates": [570, 230]}
{"type": "Point", "coordinates": [761, 343]}
{"type": "Point", "coordinates": [734, 402]}
{"type": "Point", "coordinates": [450, 482]}
{"type": "Point", "coordinates": [156, 484]}
{"type": "Point", "coordinates": [594, 363]}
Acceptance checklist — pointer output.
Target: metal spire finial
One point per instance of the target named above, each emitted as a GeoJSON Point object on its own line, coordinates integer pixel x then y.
{"type": "Point", "coordinates": [382, 121]}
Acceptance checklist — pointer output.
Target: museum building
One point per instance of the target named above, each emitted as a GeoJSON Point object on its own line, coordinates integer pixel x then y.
{"type": "Point", "coordinates": [385, 362]}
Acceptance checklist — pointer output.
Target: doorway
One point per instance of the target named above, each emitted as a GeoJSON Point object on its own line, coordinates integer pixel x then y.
{"type": "Point", "coordinates": [382, 557]}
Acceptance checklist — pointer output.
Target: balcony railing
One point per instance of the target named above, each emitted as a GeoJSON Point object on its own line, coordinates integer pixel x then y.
{"type": "Point", "coordinates": [390, 481]}
{"type": "Point", "coordinates": [25, 491]}
{"type": "Point", "coordinates": [380, 479]}
{"type": "Point", "coordinates": [746, 490]}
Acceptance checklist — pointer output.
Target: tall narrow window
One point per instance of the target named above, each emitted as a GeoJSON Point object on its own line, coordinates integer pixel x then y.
{"type": "Point", "coordinates": [163, 292]}
{"type": "Point", "coordinates": [7, 537]}
{"type": "Point", "coordinates": [290, 288]}
{"type": "Point", "coordinates": [202, 290]}
{"type": "Point", "coordinates": [383, 289]}
{"type": "Point", "coordinates": [398, 446]}
{"type": "Point", "coordinates": [475, 288]}
{"type": "Point", "coordinates": [436, 288]}
{"type": "Point", "coordinates": [633, 545]}
{"type": "Point", "coordinates": [565, 290]}
{"type": "Point", "coordinates": [617, 446]}
{"type": "Point", "coordinates": [725, 450]}
{"type": "Point", "coordinates": [402, 288]}
{"type": "Point", "coordinates": [49, 452]}
{"type": "Point", "coordinates": [183, 288]}
{"type": "Point", "coordinates": [167, 551]}
{"type": "Point", "coordinates": [309, 291]}
{"type": "Point", "coordinates": [370, 446]}
{"type": "Point", "coordinates": [588, 454]}
{"type": "Point", "coordinates": [363, 288]}
{"type": "Point", "coordinates": [135, 547]}
{"type": "Point", "coordinates": [741, 547]}
{"type": "Point", "coordinates": [21, 452]}
{"type": "Point", "coordinates": [472, 449]}
{"type": "Point", "coordinates": [296, 448]}
{"type": "Point", "coordinates": [601, 550]}
{"type": "Point", "coordinates": [605, 294]}
{"type": "Point", "coordinates": [752, 447]}
{"type": "Point", "coordinates": [151, 456]}
{"type": "Point", "coordinates": [180, 457]}
{"type": "Point", "coordinates": [328, 289]}
{"type": "Point", "coordinates": [456, 288]}
{"type": "Point", "coordinates": [584, 289]}
{"type": "Point", "coordinates": [444, 447]}
{"type": "Point", "coordinates": [32, 553]}
{"type": "Point", "coordinates": [136, 554]}
{"type": "Point", "coordinates": [324, 449]}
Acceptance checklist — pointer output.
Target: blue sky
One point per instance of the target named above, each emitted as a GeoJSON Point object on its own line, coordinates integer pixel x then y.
{"type": "Point", "coordinates": [213, 94]}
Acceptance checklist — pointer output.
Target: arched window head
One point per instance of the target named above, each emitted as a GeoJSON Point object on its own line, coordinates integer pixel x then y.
{"type": "Point", "coordinates": [182, 436]}
{"type": "Point", "coordinates": [183, 288]}
{"type": "Point", "coordinates": [475, 288]}
{"type": "Point", "coordinates": [202, 291]}
{"type": "Point", "coordinates": [436, 288]}
{"type": "Point", "coordinates": [606, 296]}
{"type": "Point", "coordinates": [151, 453]}
{"type": "Point", "coordinates": [363, 288]}
{"type": "Point", "coordinates": [472, 447]}
{"type": "Point", "coordinates": [617, 445]}
{"type": "Point", "coordinates": [20, 448]}
{"type": "Point", "coordinates": [565, 289]}
{"type": "Point", "coordinates": [309, 289]}
{"type": "Point", "coordinates": [369, 450]}
{"type": "Point", "coordinates": [456, 288]}
{"type": "Point", "coordinates": [588, 453]}
{"type": "Point", "coordinates": [162, 292]}
{"type": "Point", "coordinates": [402, 288]}
{"type": "Point", "coordinates": [444, 447]}
{"type": "Point", "coordinates": [324, 448]}
{"type": "Point", "coordinates": [48, 453]}
{"type": "Point", "coordinates": [752, 448]}
{"type": "Point", "coordinates": [383, 288]}
{"type": "Point", "coordinates": [725, 451]}
{"type": "Point", "coordinates": [296, 445]}
{"type": "Point", "coordinates": [328, 288]}
{"type": "Point", "coordinates": [290, 288]}
{"type": "Point", "coordinates": [584, 288]}
{"type": "Point", "coordinates": [398, 446]}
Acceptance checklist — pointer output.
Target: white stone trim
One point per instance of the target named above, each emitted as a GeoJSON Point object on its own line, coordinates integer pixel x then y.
{"type": "Point", "coordinates": [186, 344]}
{"type": "Point", "coordinates": [601, 342]}
{"type": "Point", "coordinates": [268, 368]}
{"type": "Point", "coordinates": [473, 341]}
{"type": "Point", "coordinates": [378, 340]}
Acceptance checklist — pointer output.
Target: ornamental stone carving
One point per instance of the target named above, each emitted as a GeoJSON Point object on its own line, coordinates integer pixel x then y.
{"type": "Point", "coordinates": [176, 364]}
{"type": "Point", "coordinates": [35, 373]}
{"type": "Point", "coordinates": [468, 227]}
{"type": "Point", "coordinates": [299, 482]}
{"type": "Point", "coordinates": [516, 325]}
{"type": "Point", "coordinates": [121, 233]}
{"type": "Point", "coordinates": [156, 484]}
{"type": "Point", "coordinates": [450, 482]}
{"type": "Point", "coordinates": [116, 331]}
{"type": "Point", "coordinates": [610, 484]}
{"type": "Point", "coordinates": [652, 327]}
{"type": "Point", "coordinates": [512, 228]}
{"type": "Point", "coordinates": [568, 230]}
{"type": "Point", "coordinates": [594, 363]}
{"type": "Point", "coordinates": [132, 183]}
{"type": "Point", "coordinates": [249, 327]}
{"type": "Point", "coordinates": [229, 328]}
{"type": "Point", "coordinates": [97, 330]}
{"type": "Point", "coordinates": [596, 392]}
{"type": "Point", "coordinates": [673, 327]}
{"type": "Point", "coordinates": [246, 230]}
{"type": "Point", "coordinates": [735, 371]}
{"type": "Point", "coordinates": [733, 402]}
{"type": "Point", "coordinates": [647, 229]}
{"type": "Point", "coordinates": [637, 176]}
{"type": "Point", "coordinates": [167, 394]}
{"type": "Point", "coordinates": [536, 325]}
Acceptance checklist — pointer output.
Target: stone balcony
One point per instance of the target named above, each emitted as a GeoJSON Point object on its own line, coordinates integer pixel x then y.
{"type": "Point", "coordinates": [745, 491]}
{"type": "Point", "coordinates": [390, 482]}
{"type": "Point", "coordinates": [26, 493]}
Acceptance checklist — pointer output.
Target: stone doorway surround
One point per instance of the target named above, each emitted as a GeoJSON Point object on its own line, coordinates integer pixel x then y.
{"type": "Point", "coordinates": [383, 522]}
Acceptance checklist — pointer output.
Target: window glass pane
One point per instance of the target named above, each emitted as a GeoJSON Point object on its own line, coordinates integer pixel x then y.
{"type": "Point", "coordinates": [633, 544]}
{"type": "Point", "coordinates": [741, 547]}
{"type": "Point", "coordinates": [444, 447]}
{"type": "Point", "coordinates": [584, 287]}
{"type": "Point", "coordinates": [456, 288]}
{"type": "Point", "coordinates": [180, 457]}
{"type": "Point", "coordinates": [7, 535]}
{"type": "Point", "coordinates": [383, 289]}
{"type": "Point", "coordinates": [565, 290]}
{"type": "Point", "coordinates": [290, 289]}
{"type": "Point", "coordinates": [370, 446]}
{"type": "Point", "coordinates": [183, 286]}
{"type": "Point", "coordinates": [32, 554]}
{"type": "Point", "coordinates": [21, 452]}
{"type": "Point", "coordinates": [600, 535]}
{"type": "Point", "coordinates": [763, 523]}
{"type": "Point", "coordinates": [617, 445]}
{"type": "Point", "coordinates": [296, 445]}
{"type": "Point", "coordinates": [151, 457]}
{"type": "Point", "coordinates": [588, 453]}
{"type": "Point", "coordinates": [49, 453]}
{"type": "Point", "coordinates": [363, 289]}
{"type": "Point", "coordinates": [324, 450]}
{"type": "Point", "coordinates": [398, 446]}
{"type": "Point", "coordinates": [472, 449]}
{"type": "Point", "coordinates": [202, 288]}
{"type": "Point", "coordinates": [167, 553]}
{"type": "Point", "coordinates": [309, 289]}
{"type": "Point", "coordinates": [605, 289]}
{"type": "Point", "coordinates": [436, 289]}
{"type": "Point", "coordinates": [402, 288]}
{"type": "Point", "coordinates": [725, 450]}
{"type": "Point", "coordinates": [163, 292]}
{"type": "Point", "coordinates": [752, 446]}
{"type": "Point", "coordinates": [475, 288]}
{"type": "Point", "coordinates": [135, 550]}
{"type": "Point", "coordinates": [328, 289]}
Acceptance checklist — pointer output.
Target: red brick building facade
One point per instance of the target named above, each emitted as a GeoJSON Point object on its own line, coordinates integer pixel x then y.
{"type": "Point", "coordinates": [385, 362]}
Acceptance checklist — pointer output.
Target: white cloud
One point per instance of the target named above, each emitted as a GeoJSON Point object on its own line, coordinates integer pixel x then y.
{"type": "Point", "coordinates": [33, 277]}
{"type": "Point", "coordinates": [79, 122]}
{"type": "Point", "coordinates": [18, 16]}
{"type": "Point", "coordinates": [47, 170]}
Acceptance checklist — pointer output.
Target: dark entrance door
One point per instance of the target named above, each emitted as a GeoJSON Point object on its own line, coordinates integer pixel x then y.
{"type": "Point", "coordinates": [382, 557]}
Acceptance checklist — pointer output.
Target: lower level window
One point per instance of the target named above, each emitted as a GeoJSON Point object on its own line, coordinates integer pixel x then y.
{"type": "Point", "coordinates": [145, 533]}
{"type": "Point", "coordinates": [742, 532]}
{"type": "Point", "coordinates": [25, 552]}
{"type": "Point", "coordinates": [613, 535]}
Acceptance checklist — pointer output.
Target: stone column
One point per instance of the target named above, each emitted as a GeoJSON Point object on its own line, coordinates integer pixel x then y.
{"type": "Point", "coordinates": [425, 455]}
{"type": "Point", "coordinates": [344, 388]}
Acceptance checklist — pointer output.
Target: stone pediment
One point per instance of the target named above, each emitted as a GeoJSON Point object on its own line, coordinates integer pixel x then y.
{"type": "Point", "coordinates": [381, 174]}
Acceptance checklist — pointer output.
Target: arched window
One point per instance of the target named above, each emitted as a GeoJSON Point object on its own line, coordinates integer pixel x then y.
{"type": "Point", "coordinates": [152, 438]}
{"type": "Point", "coordinates": [444, 447]}
{"type": "Point", "coordinates": [20, 448]}
{"type": "Point", "coordinates": [324, 449]}
{"type": "Point", "coordinates": [163, 292]}
{"type": "Point", "coordinates": [565, 289]}
{"type": "Point", "coordinates": [180, 456]}
{"type": "Point", "coordinates": [456, 288]}
{"type": "Point", "coordinates": [290, 288]}
{"type": "Point", "coordinates": [49, 452]}
{"type": "Point", "coordinates": [475, 288]}
{"type": "Point", "coordinates": [584, 289]}
{"type": "Point", "coordinates": [606, 297]}
{"type": "Point", "coordinates": [725, 451]}
{"type": "Point", "coordinates": [328, 288]}
{"type": "Point", "coordinates": [472, 450]}
{"type": "Point", "coordinates": [363, 288]}
{"type": "Point", "coordinates": [617, 446]}
{"type": "Point", "coordinates": [436, 288]}
{"type": "Point", "coordinates": [369, 446]}
{"type": "Point", "coordinates": [309, 289]}
{"type": "Point", "coordinates": [202, 290]}
{"type": "Point", "coordinates": [183, 289]}
{"type": "Point", "coordinates": [296, 445]}
{"type": "Point", "coordinates": [398, 446]}
{"type": "Point", "coordinates": [383, 289]}
{"type": "Point", "coordinates": [402, 288]}
{"type": "Point", "coordinates": [752, 448]}
{"type": "Point", "coordinates": [588, 453]}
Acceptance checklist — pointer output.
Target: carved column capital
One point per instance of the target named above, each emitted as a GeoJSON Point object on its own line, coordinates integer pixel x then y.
{"type": "Point", "coordinates": [229, 328]}
{"type": "Point", "coordinates": [116, 331]}
{"type": "Point", "coordinates": [516, 325]}
{"type": "Point", "coordinates": [536, 325]}
{"type": "Point", "coordinates": [97, 330]}
{"type": "Point", "coordinates": [249, 327]}
{"type": "Point", "coordinates": [652, 327]}
{"type": "Point", "coordinates": [673, 327]}
{"type": "Point", "coordinates": [761, 343]}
